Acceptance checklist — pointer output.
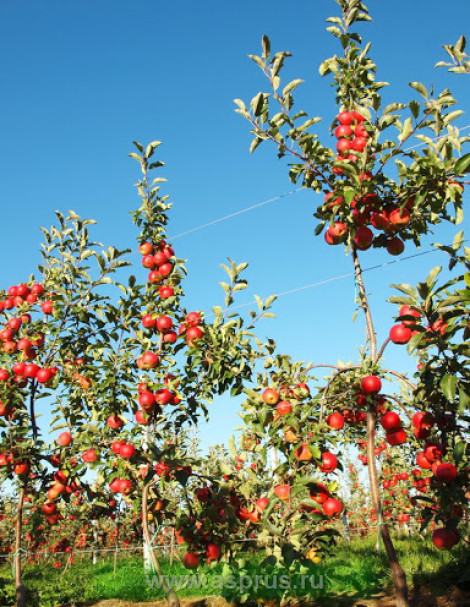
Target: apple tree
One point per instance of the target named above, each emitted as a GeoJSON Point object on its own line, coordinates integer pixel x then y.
{"type": "Point", "coordinates": [379, 192]}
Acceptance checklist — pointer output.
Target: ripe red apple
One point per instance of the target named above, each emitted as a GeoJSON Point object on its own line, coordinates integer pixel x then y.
{"type": "Point", "coordinates": [409, 311]}
{"type": "Point", "coordinates": [423, 418]}
{"type": "Point", "coordinates": [434, 452]}
{"type": "Point", "coordinates": [358, 117]}
{"type": "Point", "coordinates": [262, 503]}
{"type": "Point", "coordinates": [343, 145]}
{"type": "Point", "coordinates": [47, 307]}
{"type": "Point", "coordinates": [422, 461]}
{"type": "Point", "coordinates": [148, 321]}
{"type": "Point", "coordinates": [335, 420]}
{"type": "Point", "coordinates": [361, 131]}
{"type": "Point", "coordinates": [193, 334]}
{"type": "Point", "coordinates": [163, 396]}
{"type": "Point", "coordinates": [191, 560]}
{"type": "Point", "coordinates": [444, 539]}
{"type": "Point", "coordinates": [337, 232]}
{"type": "Point", "coordinates": [212, 552]}
{"type": "Point", "coordinates": [399, 218]}
{"type": "Point", "coordinates": [148, 262]}
{"type": "Point", "coordinates": [447, 473]}
{"type": "Point", "coordinates": [359, 144]}
{"type": "Point", "coordinates": [159, 258]}
{"type": "Point", "coordinates": [21, 468]}
{"type": "Point", "coordinates": [371, 384]}
{"type": "Point", "coordinates": [154, 277]}
{"type": "Point", "coordinates": [142, 418]}
{"type": "Point", "coordinates": [166, 269]}
{"type": "Point", "coordinates": [164, 324]}
{"type": "Point", "coordinates": [390, 421]}
{"type": "Point", "coordinates": [116, 446]}
{"type": "Point", "coordinates": [165, 292]}
{"type": "Point", "coordinates": [37, 289]}
{"type": "Point", "coordinates": [14, 324]}
{"type": "Point", "coordinates": [329, 462]}
{"type": "Point", "coordinates": [400, 334]}
{"type": "Point", "coordinates": [397, 436]}
{"type": "Point", "coordinates": [149, 360]}
{"type": "Point", "coordinates": [114, 421]}
{"type": "Point", "coordinates": [283, 492]}
{"type": "Point", "coordinates": [146, 248]}
{"type": "Point", "coordinates": [379, 219]}
{"type": "Point", "coordinates": [90, 456]}
{"type": "Point", "coordinates": [363, 238]}
{"type": "Point", "coordinates": [31, 370]}
{"type": "Point", "coordinates": [169, 252]}
{"type": "Point", "coordinates": [44, 375]}
{"type": "Point", "coordinates": [395, 246]}
{"type": "Point", "coordinates": [125, 486]}
{"type": "Point", "coordinates": [343, 130]}
{"type": "Point", "coordinates": [147, 401]}
{"type": "Point", "coordinates": [333, 201]}
{"type": "Point", "coordinates": [283, 407]}
{"type": "Point", "coordinates": [64, 439]}
{"type": "Point", "coordinates": [49, 508]}
{"type": "Point", "coordinates": [24, 344]}
{"type": "Point", "coordinates": [170, 337]}
{"type": "Point", "coordinates": [127, 451]}
{"type": "Point", "coordinates": [346, 118]}
{"type": "Point", "coordinates": [332, 506]}
{"type": "Point", "coordinates": [271, 396]}
{"type": "Point", "coordinates": [319, 493]}
{"type": "Point", "coordinates": [193, 319]}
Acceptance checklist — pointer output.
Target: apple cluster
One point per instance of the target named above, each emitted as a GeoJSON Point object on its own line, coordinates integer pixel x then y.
{"type": "Point", "coordinates": [355, 219]}
{"type": "Point", "coordinates": [410, 317]}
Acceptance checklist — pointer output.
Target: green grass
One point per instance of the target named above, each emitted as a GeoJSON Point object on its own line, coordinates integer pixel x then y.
{"type": "Point", "coordinates": [354, 570]}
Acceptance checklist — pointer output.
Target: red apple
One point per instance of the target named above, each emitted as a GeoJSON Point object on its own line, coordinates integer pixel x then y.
{"type": "Point", "coordinates": [284, 407]}
{"type": "Point", "coordinates": [335, 420]}
{"type": "Point", "coordinates": [395, 246]}
{"type": "Point", "coordinates": [447, 473]}
{"type": "Point", "coordinates": [271, 396]}
{"type": "Point", "coordinates": [444, 539]}
{"type": "Point", "coordinates": [332, 506]}
{"type": "Point", "coordinates": [283, 492]}
{"type": "Point", "coordinates": [390, 421]}
{"type": "Point", "coordinates": [400, 334]}
{"type": "Point", "coordinates": [191, 560]}
{"type": "Point", "coordinates": [346, 118]}
{"type": "Point", "coordinates": [64, 439]}
{"type": "Point", "coordinates": [127, 451]}
{"type": "Point", "coordinates": [329, 462]}
{"type": "Point", "coordinates": [371, 384]}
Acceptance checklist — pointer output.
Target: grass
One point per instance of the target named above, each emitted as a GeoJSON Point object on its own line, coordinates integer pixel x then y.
{"type": "Point", "coordinates": [354, 570]}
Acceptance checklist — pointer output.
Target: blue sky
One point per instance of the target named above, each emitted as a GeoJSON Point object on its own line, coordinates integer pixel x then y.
{"type": "Point", "coordinates": [82, 80]}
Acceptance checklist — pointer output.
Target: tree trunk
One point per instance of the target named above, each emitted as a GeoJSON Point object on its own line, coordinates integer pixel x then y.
{"type": "Point", "coordinates": [20, 589]}
{"type": "Point", "coordinates": [170, 594]}
{"type": "Point", "coordinates": [398, 574]}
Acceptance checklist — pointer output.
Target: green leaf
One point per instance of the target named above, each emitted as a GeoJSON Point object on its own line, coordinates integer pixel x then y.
{"type": "Point", "coordinates": [417, 86]}
{"type": "Point", "coordinates": [462, 165]}
{"type": "Point", "coordinates": [291, 86]}
{"type": "Point", "coordinates": [464, 400]}
{"type": "Point", "coordinates": [266, 44]}
{"type": "Point", "coordinates": [449, 386]}
{"type": "Point", "coordinates": [406, 130]}
{"type": "Point", "coordinates": [459, 451]}
{"type": "Point", "coordinates": [407, 289]}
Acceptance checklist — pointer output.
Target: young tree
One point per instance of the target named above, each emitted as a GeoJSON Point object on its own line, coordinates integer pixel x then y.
{"type": "Point", "coordinates": [378, 193]}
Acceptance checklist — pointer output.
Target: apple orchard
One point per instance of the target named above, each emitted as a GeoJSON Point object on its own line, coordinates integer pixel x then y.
{"type": "Point", "coordinates": [127, 371]}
